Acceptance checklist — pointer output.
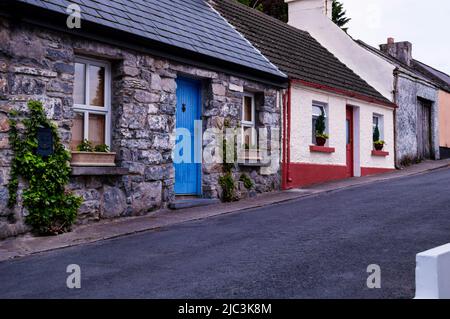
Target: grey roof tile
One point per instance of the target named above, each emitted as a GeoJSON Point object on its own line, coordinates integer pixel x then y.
{"type": "Point", "coordinates": [187, 24]}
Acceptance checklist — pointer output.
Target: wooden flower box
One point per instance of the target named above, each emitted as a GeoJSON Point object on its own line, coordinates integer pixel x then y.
{"type": "Point", "coordinates": [93, 159]}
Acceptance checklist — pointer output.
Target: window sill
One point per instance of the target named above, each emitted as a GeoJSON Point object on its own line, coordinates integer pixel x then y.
{"type": "Point", "coordinates": [252, 160]}
{"type": "Point", "coordinates": [322, 149]}
{"type": "Point", "coordinates": [252, 163]}
{"type": "Point", "coordinates": [380, 153]}
{"type": "Point", "coordinates": [98, 170]}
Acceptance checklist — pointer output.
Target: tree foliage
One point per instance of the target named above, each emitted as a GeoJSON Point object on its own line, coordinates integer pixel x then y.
{"type": "Point", "coordinates": [339, 15]}
{"type": "Point", "coordinates": [275, 8]}
{"type": "Point", "coordinates": [51, 208]}
{"type": "Point", "coordinates": [279, 9]}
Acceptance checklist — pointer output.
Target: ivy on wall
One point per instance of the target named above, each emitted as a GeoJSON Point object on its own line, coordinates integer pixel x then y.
{"type": "Point", "coordinates": [51, 208]}
{"type": "Point", "coordinates": [226, 181]}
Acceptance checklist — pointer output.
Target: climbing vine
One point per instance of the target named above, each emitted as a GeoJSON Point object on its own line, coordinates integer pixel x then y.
{"type": "Point", "coordinates": [226, 181]}
{"type": "Point", "coordinates": [51, 209]}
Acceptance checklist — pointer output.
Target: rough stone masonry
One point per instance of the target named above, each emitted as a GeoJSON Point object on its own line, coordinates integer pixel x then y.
{"type": "Point", "coordinates": [38, 64]}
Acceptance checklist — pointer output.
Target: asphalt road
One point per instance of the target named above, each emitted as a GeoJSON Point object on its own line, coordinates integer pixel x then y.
{"type": "Point", "coordinates": [318, 247]}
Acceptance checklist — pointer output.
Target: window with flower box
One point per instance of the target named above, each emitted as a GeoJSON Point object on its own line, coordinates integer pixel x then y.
{"type": "Point", "coordinates": [92, 103]}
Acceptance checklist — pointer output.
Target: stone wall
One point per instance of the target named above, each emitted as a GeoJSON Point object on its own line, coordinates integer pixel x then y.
{"type": "Point", "coordinates": [39, 64]}
{"type": "Point", "coordinates": [408, 92]}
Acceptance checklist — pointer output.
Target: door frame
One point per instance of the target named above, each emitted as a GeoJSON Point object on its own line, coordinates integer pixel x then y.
{"type": "Point", "coordinates": [424, 106]}
{"type": "Point", "coordinates": [199, 109]}
{"type": "Point", "coordinates": [349, 115]}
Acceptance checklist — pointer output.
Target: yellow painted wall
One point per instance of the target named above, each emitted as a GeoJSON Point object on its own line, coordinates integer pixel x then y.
{"type": "Point", "coordinates": [444, 118]}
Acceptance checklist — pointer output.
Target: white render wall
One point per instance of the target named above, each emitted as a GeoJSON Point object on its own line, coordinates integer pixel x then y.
{"type": "Point", "coordinates": [301, 130]}
{"type": "Point", "coordinates": [366, 135]}
{"type": "Point", "coordinates": [308, 15]}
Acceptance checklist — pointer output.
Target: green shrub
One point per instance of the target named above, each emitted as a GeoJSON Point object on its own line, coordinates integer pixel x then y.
{"type": "Point", "coordinates": [85, 146]}
{"type": "Point", "coordinates": [103, 148]}
{"type": "Point", "coordinates": [228, 188]}
{"type": "Point", "coordinates": [226, 181]}
{"type": "Point", "coordinates": [320, 126]}
{"type": "Point", "coordinates": [51, 209]}
{"type": "Point", "coordinates": [246, 180]}
{"type": "Point", "coordinates": [376, 134]}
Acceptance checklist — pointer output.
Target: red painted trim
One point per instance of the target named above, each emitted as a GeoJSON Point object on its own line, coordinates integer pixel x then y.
{"type": "Point", "coordinates": [366, 171]}
{"type": "Point", "coordinates": [304, 174]}
{"type": "Point", "coordinates": [321, 149]}
{"type": "Point", "coordinates": [344, 92]}
{"type": "Point", "coordinates": [288, 122]}
{"type": "Point", "coordinates": [380, 153]}
{"type": "Point", "coordinates": [349, 148]}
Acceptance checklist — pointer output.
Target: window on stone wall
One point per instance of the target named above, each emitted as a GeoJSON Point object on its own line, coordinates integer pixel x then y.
{"type": "Point", "coordinates": [377, 121]}
{"type": "Point", "coordinates": [249, 136]}
{"type": "Point", "coordinates": [92, 102]}
{"type": "Point", "coordinates": [317, 110]}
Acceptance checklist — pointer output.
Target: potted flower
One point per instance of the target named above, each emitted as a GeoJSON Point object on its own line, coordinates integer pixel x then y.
{"type": "Point", "coordinates": [378, 144]}
{"type": "Point", "coordinates": [89, 155]}
{"type": "Point", "coordinates": [321, 137]}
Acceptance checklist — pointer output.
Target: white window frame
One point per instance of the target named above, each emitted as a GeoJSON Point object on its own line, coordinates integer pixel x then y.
{"type": "Point", "coordinates": [323, 106]}
{"type": "Point", "coordinates": [249, 124]}
{"type": "Point", "coordinates": [380, 124]}
{"type": "Point", "coordinates": [86, 109]}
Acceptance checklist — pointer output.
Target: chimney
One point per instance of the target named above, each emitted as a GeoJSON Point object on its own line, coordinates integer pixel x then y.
{"type": "Point", "coordinates": [294, 6]}
{"type": "Point", "coordinates": [401, 51]}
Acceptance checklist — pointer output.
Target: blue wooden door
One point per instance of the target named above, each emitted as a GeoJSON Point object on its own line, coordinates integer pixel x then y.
{"type": "Point", "coordinates": [187, 172]}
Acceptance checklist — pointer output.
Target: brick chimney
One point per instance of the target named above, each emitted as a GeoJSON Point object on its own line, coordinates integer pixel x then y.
{"type": "Point", "coordinates": [295, 6]}
{"type": "Point", "coordinates": [401, 51]}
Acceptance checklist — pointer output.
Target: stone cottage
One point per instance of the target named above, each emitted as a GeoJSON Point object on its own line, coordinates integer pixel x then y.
{"type": "Point", "coordinates": [129, 74]}
{"type": "Point", "coordinates": [442, 80]}
{"type": "Point", "coordinates": [417, 118]}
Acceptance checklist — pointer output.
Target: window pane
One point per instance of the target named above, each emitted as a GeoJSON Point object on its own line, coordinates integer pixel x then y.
{"type": "Point", "coordinates": [97, 129]}
{"type": "Point", "coordinates": [77, 131]}
{"type": "Point", "coordinates": [80, 84]}
{"type": "Point", "coordinates": [248, 116]}
{"type": "Point", "coordinates": [96, 86]}
{"type": "Point", "coordinates": [249, 137]}
{"type": "Point", "coordinates": [318, 110]}
{"type": "Point", "coordinates": [314, 121]}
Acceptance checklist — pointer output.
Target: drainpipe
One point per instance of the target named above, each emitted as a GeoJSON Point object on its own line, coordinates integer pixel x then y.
{"type": "Point", "coordinates": [288, 137]}
{"type": "Point", "coordinates": [396, 73]}
{"type": "Point", "coordinates": [283, 162]}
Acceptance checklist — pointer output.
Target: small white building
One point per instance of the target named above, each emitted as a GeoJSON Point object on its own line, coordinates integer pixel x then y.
{"type": "Point", "coordinates": [320, 84]}
{"type": "Point", "coordinates": [350, 123]}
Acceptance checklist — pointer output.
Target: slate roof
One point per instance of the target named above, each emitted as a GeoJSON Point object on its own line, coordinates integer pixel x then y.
{"type": "Point", "coordinates": [188, 24]}
{"type": "Point", "coordinates": [418, 68]}
{"type": "Point", "coordinates": [439, 77]}
{"type": "Point", "coordinates": [294, 51]}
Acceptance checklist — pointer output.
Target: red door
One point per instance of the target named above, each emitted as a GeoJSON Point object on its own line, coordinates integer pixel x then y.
{"type": "Point", "coordinates": [349, 146]}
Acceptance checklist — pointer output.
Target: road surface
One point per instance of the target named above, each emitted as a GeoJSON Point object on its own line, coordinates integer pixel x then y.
{"type": "Point", "coordinates": [316, 247]}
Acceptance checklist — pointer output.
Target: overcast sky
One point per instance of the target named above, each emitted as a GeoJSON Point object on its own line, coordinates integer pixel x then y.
{"type": "Point", "coordinates": [426, 24]}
